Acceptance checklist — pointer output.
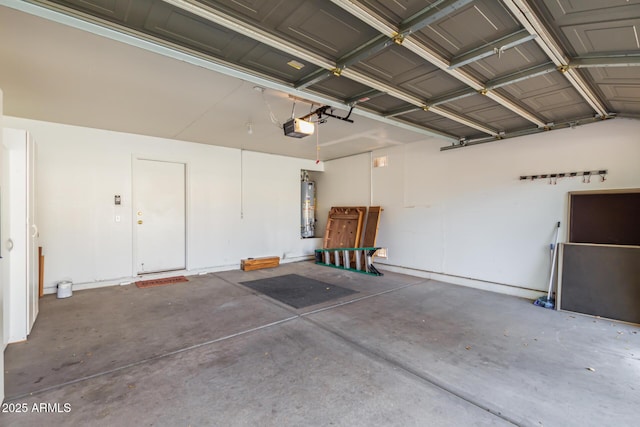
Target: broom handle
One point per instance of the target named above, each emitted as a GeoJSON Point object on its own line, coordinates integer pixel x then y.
{"type": "Point", "coordinates": [553, 262]}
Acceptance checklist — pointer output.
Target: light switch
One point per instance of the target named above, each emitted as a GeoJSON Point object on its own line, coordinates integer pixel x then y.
{"type": "Point", "coordinates": [117, 218]}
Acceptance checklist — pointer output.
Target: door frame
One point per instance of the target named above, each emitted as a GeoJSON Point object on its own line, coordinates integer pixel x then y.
{"type": "Point", "coordinates": [134, 236]}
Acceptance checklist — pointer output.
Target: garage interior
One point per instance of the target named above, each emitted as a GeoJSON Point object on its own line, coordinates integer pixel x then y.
{"type": "Point", "coordinates": [476, 126]}
{"type": "Point", "coordinates": [401, 351]}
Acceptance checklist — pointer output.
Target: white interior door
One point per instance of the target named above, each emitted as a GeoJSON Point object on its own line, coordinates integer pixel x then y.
{"type": "Point", "coordinates": [159, 216]}
{"type": "Point", "coordinates": [23, 234]}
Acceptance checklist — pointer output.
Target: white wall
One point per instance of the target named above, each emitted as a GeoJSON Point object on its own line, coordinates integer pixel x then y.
{"type": "Point", "coordinates": [271, 207]}
{"type": "Point", "coordinates": [460, 213]}
{"type": "Point", "coordinates": [344, 182]}
{"type": "Point", "coordinates": [80, 170]}
{"type": "Point", "coordinates": [464, 214]}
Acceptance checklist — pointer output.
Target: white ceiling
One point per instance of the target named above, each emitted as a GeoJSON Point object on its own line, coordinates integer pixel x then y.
{"type": "Point", "coordinates": [53, 72]}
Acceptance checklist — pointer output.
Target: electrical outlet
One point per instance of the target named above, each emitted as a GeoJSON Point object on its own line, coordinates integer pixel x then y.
{"type": "Point", "coordinates": [382, 253]}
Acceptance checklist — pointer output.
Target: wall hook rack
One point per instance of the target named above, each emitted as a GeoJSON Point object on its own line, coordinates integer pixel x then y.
{"type": "Point", "coordinates": [553, 177]}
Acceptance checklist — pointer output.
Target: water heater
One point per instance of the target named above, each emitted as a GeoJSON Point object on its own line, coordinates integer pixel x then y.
{"type": "Point", "coordinates": [308, 207]}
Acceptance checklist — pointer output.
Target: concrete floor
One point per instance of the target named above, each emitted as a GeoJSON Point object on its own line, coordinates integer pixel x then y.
{"type": "Point", "coordinates": [403, 351]}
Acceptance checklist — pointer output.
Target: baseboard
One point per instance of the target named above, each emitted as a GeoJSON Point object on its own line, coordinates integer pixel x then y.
{"type": "Point", "coordinates": [447, 278]}
{"type": "Point", "coordinates": [296, 258]}
{"type": "Point", "coordinates": [500, 288]}
{"type": "Point", "coordinates": [123, 281]}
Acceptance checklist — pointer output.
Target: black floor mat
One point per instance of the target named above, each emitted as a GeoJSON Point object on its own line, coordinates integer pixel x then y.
{"type": "Point", "coordinates": [298, 291]}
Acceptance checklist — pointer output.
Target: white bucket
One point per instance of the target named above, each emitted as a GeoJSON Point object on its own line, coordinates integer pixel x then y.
{"type": "Point", "coordinates": [64, 289]}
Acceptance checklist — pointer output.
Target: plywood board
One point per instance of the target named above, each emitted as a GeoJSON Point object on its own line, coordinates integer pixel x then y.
{"type": "Point", "coordinates": [371, 228]}
{"type": "Point", "coordinates": [605, 217]}
{"type": "Point", "coordinates": [601, 280]}
{"type": "Point", "coordinates": [344, 227]}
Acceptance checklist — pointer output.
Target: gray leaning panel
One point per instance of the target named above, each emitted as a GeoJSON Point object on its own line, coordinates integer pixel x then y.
{"type": "Point", "coordinates": [602, 281]}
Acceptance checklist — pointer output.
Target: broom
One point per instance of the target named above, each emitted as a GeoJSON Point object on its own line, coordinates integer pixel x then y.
{"type": "Point", "coordinates": [547, 301]}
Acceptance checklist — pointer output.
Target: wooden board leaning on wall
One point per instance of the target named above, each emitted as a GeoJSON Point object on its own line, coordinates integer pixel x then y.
{"type": "Point", "coordinates": [344, 227]}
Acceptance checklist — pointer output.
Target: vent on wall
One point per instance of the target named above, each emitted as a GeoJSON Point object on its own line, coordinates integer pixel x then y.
{"type": "Point", "coordinates": [380, 162]}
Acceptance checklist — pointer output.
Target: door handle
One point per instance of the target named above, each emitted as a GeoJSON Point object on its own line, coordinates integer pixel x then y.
{"type": "Point", "coordinates": [139, 221]}
{"type": "Point", "coordinates": [35, 230]}
{"type": "Point", "coordinates": [9, 244]}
